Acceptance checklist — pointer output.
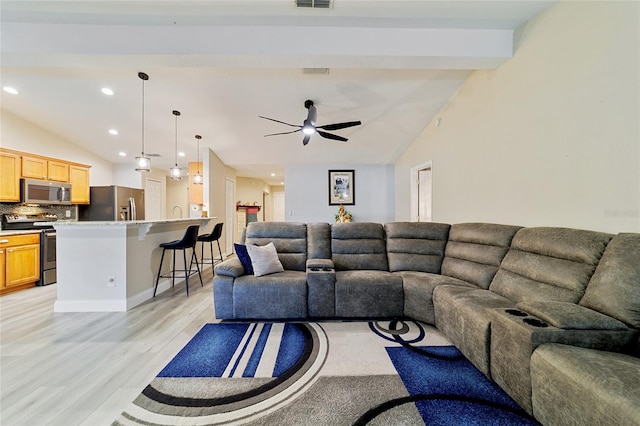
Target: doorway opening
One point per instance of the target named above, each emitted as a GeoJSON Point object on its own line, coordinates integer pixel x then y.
{"type": "Point", "coordinates": [422, 193]}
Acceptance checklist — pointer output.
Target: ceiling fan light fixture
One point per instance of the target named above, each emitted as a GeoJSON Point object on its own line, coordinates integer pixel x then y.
{"type": "Point", "coordinates": [143, 163]}
{"type": "Point", "coordinates": [308, 128]}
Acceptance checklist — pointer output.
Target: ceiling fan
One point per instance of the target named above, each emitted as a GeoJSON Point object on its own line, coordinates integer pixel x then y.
{"type": "Point", "coordinates": [309, 126]}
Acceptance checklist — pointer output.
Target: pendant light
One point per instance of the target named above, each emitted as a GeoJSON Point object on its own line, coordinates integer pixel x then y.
{"type": "Point", "coordinates": [197, 178]}
{"type": "Point", "coordinates": [175, 170]}
{"type": "Point", "coordinates": [143, 163]}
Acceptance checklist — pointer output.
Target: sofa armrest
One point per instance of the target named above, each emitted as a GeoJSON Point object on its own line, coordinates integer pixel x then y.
{"type": "Point", "coordinates": [230, 268]}
{"type": "Point", "coordinates": [569, 316]}
{"type": "Point", "coordinates": [323, 264]}
{"type": "Point", "coordinates": [515, 334]}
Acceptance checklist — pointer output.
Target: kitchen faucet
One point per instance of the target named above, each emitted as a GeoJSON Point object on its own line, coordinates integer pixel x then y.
{"type": "Point", "coordinates": [174, 209]}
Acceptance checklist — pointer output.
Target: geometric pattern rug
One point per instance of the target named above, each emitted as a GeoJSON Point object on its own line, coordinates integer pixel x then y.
{"type": "Point", "coordinates": [321, 373]}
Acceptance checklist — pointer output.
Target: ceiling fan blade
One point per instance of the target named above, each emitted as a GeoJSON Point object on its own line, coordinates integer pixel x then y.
{"type": "Point", "coordinates": [306, 139]}
{"type": "Point", "coordinates": [331, 136]}
{"type": "Point", "coordinates": [283, 133]}
{"type": "Point", "coordinates": [278, 121]}
{"type": "Point", "coordinates": [338, 126]}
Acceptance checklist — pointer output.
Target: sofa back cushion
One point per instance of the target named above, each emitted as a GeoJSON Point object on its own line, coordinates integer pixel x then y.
{"type": "Point", "coordinates": [475, 250]}
{"type": "Point", "coordinates": [358, 246]}
{"type": "Point", "coordinates": [614, 288]}
{"type": "Point", "coordinates": [416, 246]}
{"type": "Point", "coordinates": [289, 238]}
{"type": "Point", "coordinates": [549, 264]}
{"type": "Point", "coordinates": [319, 240]}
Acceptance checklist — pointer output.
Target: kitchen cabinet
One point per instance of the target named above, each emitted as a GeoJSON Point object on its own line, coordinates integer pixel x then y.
{"type": "Point", "coordinates": [17, 164]}
{"type": "Point", "coordinates": [19, 262]}
{"type": "Point", "coordinates": [195, 191]}
{"type": "Point", "coordinates": [10, 164]}
{"type": "Point", "coordinates": [79, 180]}
{"type": "Point", "coordinates": [34, 167]}
{"type": "Point", "coordinates": [42, 168]}
{"type": "Point", "coordinates": [57, 171]}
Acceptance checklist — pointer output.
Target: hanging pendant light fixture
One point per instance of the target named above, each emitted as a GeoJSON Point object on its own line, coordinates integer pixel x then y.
{"type": "Point", "coordinates": [197, 178]}
{"type": "Point", "coordinates": [143, 163]}
{"type": "Point", "coordinates": [176, 174]}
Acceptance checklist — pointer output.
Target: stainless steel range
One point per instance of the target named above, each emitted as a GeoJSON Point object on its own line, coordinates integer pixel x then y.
{"type": "Point", "coordinates": [47, 241]}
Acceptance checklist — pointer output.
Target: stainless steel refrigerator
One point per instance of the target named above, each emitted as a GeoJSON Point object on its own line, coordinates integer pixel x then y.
{"type": "Point", "coordinates": [113, 203]}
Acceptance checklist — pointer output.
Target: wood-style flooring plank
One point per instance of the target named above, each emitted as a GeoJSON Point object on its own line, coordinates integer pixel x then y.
{"type": "Point", "coordinates": [85, 368]}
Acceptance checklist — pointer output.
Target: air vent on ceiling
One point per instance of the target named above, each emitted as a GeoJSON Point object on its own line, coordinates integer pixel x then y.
{"type": "Point", "coordinates": [315, 4]}
{"type": "Point", "coordinates": [153, 155]}
{"type": "Point", "coordinates": [316, 71]}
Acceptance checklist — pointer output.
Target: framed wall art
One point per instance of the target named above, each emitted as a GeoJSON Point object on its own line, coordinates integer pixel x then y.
{"type": "Point", "coordinates": [342, 187]}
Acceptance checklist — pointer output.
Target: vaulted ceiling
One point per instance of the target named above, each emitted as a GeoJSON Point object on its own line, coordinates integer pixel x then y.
{"type": "Point", "coordinates": [391, 64]}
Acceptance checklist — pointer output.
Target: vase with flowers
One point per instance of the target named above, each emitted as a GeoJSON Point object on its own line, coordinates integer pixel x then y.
{"type": "Point", "coordinates": [343, 215]}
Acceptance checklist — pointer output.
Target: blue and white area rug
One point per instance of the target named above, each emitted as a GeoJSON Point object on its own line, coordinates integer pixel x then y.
{"type": "Point", "coordinates": [328, 373]}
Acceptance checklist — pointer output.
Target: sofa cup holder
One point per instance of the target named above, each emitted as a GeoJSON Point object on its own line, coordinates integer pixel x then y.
{"type": "Point", "coordinates": [535, 322]}
{"type": "Point", "coordinates": [321, 268]}
{"type": "Point", "coordinates": [516, 312]}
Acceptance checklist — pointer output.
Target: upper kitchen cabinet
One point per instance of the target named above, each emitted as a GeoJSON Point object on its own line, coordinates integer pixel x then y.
{"type": "Point", "coordinates": [57, 171]}
{"type": "Point", "coordinates": [195, 190]}
{"type": "Point", "coordinates": [34, 167]}
{"type": "Point", "coordinates": [17, 164]}
{"type": "Point", "coordinates": [10, 177]}
{"type": "Point", "coordinates": [42, 168]}
{"type": "Point", "coordinates": [79, 180]}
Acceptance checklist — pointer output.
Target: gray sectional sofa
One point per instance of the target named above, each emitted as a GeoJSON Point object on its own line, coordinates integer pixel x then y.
{"type": "Point", "coordinates": [552, 315]}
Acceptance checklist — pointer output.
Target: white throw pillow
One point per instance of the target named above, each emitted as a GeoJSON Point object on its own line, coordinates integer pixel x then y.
{"type": "Point", "coordinates": [264, 259]}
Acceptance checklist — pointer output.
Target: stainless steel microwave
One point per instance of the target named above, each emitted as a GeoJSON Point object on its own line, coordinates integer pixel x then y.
{"type": "Point", "coordinates": [36, 191]}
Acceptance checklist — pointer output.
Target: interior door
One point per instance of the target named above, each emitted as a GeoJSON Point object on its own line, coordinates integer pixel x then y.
{"type": "Point", "coordinates": [278, 207]}
{"type": "Point", "coordinates": [153, 199]}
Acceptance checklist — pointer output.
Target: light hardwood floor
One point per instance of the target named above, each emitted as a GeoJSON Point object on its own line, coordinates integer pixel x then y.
{"type": "Point", "coordinates": [85, 368]}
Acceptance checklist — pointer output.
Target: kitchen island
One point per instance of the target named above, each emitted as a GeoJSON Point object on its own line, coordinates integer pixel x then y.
{"type": "Point", "coordinates": [112, 266]}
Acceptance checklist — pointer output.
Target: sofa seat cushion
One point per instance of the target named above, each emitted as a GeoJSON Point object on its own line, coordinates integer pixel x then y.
{"type": "Point", "coordinates": [279, 295]}
{"type": "Point", "coordinates": [463, 315]}
{"type": "Point", "coordinates": [418, 293]}
{"type": "Point", "coordinates": [368, 294]}
{"type": "Point", "coordinates": [573, 385]}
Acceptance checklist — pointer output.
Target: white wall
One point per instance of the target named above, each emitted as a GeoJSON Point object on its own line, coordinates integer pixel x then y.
{"type": "Point", "coordinates": [22, 135]}
{"type": "Point", "coordinates": [307, 192]}
{"type": "Point", "coordinates": [214, 187]}
{"type": "Point", "coordinates": [551, 138]}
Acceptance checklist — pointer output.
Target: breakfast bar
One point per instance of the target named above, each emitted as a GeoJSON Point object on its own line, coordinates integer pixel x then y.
{"type": "Point", "coordinates": [112, 266]}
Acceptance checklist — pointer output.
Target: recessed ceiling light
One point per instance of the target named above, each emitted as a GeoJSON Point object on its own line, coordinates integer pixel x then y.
{"type": "Point", "coordinates": [181, 154]}
{"type": "Point", "coordinates": [107, 91]}
{"type": "Point", "coordinates": [113, 132]}
{"type": "Point", "coordinates": [122, 154]}
{"type": "Point", "coordinates": [273, 174]}
{"type": "Point", "coordinates": [10, 89]}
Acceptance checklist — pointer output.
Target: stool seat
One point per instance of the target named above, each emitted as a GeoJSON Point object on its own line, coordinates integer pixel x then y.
{"type": "Point", "coordinates": [215, 235]}
{"type": "Point", "coordinates": [188, 241]}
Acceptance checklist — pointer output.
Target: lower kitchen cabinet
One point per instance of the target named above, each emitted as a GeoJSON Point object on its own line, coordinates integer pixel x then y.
{"type": "Point", "coordinates": [19, 262]}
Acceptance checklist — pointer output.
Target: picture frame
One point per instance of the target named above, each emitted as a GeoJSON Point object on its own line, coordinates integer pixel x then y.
{"type": "Point", "coordinates": [342, 187]}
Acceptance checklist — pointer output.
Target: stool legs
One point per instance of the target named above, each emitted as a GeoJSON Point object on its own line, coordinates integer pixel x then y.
{"type": "Point", "coordinates": [187, 272]}
{"type": "Point", "coordinates": [159, 270]}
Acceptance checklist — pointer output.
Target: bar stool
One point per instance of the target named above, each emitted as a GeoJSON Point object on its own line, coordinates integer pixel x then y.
{"type": "Point", "coordinates": [213, 236]}
{"type": "Point", "coordinates": [187, 242]}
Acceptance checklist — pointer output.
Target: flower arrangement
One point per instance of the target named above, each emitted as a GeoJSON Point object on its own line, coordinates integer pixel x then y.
{"type": "Point", "coordinates": [343, 215]}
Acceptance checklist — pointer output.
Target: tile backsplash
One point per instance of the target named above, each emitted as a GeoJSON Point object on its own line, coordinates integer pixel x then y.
{"type": "Point", "coordinates": [59, 211]}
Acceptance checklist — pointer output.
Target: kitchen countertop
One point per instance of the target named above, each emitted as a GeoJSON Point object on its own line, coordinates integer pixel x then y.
{"type": "Point", "coordinates": [7, 233]}
{"type": "Point", "coordinates": [123, 222]}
